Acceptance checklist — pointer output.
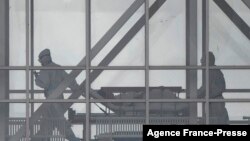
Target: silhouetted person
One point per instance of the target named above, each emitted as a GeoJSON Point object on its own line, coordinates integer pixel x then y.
{"type": "Point", "coordinates": [49, 81]}
{"type": "Point", "coordinates": [217, 111]}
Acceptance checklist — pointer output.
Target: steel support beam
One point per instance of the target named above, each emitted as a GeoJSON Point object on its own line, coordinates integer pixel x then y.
{"type": "Point", "coordinates": [191, 56]}
{"type": "Point", "coordinates": [147, 38]}
{"type": "Point", "coordinates": [4, 61]}
{"type": "Point", "coordinates": [116, 50]}
{"type": "Point", "coordinates": [234, 17]}
{"type": "Point", "coordinates": [205, 50]}
{"type": "Point", "coordinates": [27, 60]}
{"type": "Point", "coordinates": [94, 52]}
{"type": "Point", "coordinates": [98, 47]}
{"type": "Point", "coordinates": [247, 3]}
{"type": "Point", "coordinates": [87, 125]}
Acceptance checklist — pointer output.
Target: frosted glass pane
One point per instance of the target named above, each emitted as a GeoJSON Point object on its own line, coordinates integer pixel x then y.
{"type": "Point", "coordinates": [228, 43]}
{"type": "Point", "coordinates": [55, 119]}
{"type": "Point", "coordinates": [59, 25]}
{"type": "Point", "coordinates": [17, 33]}
{"type": "Point", "coordinates": [168, 34]}
{"type": "Point", "coordinates": [104, 15]}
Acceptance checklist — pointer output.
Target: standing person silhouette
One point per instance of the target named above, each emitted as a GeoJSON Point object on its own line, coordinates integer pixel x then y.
{"type": "Point", "coordinates": [49, 81]}
{"type": "Point", "coordinates": [217, 111]}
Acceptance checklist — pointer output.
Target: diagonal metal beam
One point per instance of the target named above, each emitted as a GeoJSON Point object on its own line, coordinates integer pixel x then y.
{"type": "Point", "coordinates": [95, 50]}
{"type": "Point", "coordinates": [37, 114]}
{"type": "Point", "coordinates": [234, 17]}
{"type": "Point", "coordinates": [98, 47]}
{"type": "Point", "coordinates": [115, 51]}
{"type": "Point", "coordinates": [120, 45]}
{"type": "Point", "coordinates": [111, 55]}
{"type": "Point", "coordinates": [247, 3]}
{"type": "Point", "coordinates": [123, 42]}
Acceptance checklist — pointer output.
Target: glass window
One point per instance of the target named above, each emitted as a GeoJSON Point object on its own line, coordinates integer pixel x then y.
{"type": "Point", "coordinates": [115, 120]}
{"type": "Point", "coordinates": [17, 30]}
{"type": "Point", "coordinates": [57, 121]}
{"type": "Point", "coordinates": [236, 84]}
{"type": "Point", "coordinates": [128, 41]}
{"type": "Point", "coordinates": [46, 82]}
{"type": "Point", "coordinates": [174, 113]}
{"type": "Point", "coordinates": [59, 25]}
{"type": "Point", "coordinates": [119, 84]}
{"type": "Point", "coordinates": [227, 41]}
{"type": "Point", "coordinates": [15, 119]}
{"type": "Point", "coordinates": [168, 34]}
{"type": "Point", "coordinates": [129, 84]}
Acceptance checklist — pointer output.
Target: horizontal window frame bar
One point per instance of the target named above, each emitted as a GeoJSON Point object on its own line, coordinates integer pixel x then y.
{"type": "Point", "coordinates": [124, 67]}
{"type": "Point", "coordinates": [22, 91]}
{"type": "Point", "coordinates": [125, 101]}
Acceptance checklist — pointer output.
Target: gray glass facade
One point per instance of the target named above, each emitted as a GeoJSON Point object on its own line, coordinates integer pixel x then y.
{"type": "Point", "coordinates": [100, 69]}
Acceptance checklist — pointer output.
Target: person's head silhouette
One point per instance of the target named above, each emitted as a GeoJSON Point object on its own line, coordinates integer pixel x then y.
{"type": "Point", "coordinates": [45, 57]}
{"type": "Point", "coordinates": [211, 59]}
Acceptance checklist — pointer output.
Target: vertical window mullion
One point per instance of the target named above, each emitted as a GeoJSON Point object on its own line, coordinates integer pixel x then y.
{"type": "Point", "coordinates": [147, 58]}
{"type": "Point", "coordinates": [88, 47]}
{"type": "Point", "coordinates": [27, 9]}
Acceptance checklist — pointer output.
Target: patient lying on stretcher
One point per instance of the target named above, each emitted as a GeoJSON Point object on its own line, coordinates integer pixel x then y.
{"type": "Point", "coordinates": [170, 109]}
